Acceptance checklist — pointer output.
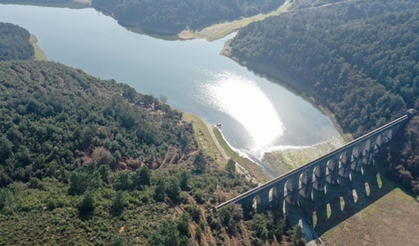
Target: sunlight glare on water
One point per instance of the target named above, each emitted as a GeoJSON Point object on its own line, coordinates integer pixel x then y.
{"type": "Point", "coordinates": [243, 100]}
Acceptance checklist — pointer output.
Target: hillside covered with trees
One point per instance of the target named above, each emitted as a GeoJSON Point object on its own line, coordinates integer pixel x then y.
{"type": "Point", "coordinates": [357, 58]}
{"type": "Point", "coordinates": [14, 43]}
{"type": "Point", "coordinates": [86, 161]}
{"type": "Point", "coordinates": [171, 17]}
{"type": "Point", "coordinates": [83, 159]}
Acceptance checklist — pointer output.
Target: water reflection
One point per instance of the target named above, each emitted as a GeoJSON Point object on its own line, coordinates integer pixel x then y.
{"type": "Point", "coordinates": [243, 100]}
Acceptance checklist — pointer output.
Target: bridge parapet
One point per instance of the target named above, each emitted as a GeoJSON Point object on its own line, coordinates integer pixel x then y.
{"type": "Point", "coordinates": [300, 182]}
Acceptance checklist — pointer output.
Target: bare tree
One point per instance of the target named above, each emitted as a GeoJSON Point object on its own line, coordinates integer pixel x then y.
{"type": "Point", "coordinates": [163, 98]}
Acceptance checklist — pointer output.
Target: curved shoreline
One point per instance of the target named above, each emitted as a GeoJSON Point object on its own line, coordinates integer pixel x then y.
{"type": "Point", "coordinates": [284, 78]}
{"type": "Point", "coordinates": [39, 53]}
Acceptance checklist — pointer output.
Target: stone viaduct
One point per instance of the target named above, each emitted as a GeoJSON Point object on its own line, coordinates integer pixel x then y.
{"type": "Point", "coordinates": [300, 182]}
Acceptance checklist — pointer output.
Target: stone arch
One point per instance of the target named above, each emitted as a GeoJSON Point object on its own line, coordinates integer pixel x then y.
{"type": "Point", "coordinates": [355, 195]}
{"type": "Point", "coordinates": [342, 203]}
{"type": "Point", "coordinates": [306, 183]}
{"type": "Point", "coordinates": [346, 160]}
{"type": "Point", "coordinates": [329, 164]}
{"type": "Point", "coordinates": [314, 218]}
{"type": "Point", "coordinates": [314, 177]}
{"type": "Point", "coordinates": [378, 141]}
{"type": "Point", "coordinates": [379, 180]}
{"type": "Point", "coordinates": [300, 180]}
{"type": "Point", "coordinates": [342, 160]}
{"type": "Point", "coordinates": [290, 191]}
{"type": "Point", "coordinates": [332, 170]}
{"type": "Point", "coordinates": [286, 193]}
{"type": "Point", "coordinates": [367, 189]}
{"type": "Point", "coordinates": [273, 195]}
{"type": "Point", "coordinates": [328, 210]}
{"type": "Point", "coordinates": [318, 178]}
{"type": "Point", "coordinates": [256, 202]}
{"type": "Point", "coordinates": [390, 134]}
{"type": "Point", "coordinates": [367, 146]}
{"type": "Point", "coordinates": [355, 151]}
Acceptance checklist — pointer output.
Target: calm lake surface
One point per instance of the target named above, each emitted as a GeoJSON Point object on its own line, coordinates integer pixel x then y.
{"type": "Point", "coordinates": [256, 114]}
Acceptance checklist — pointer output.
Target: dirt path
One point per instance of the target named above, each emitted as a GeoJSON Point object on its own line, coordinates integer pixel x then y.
{"type": "Point", "coordinates": [239, 168]}
{"type": "Point", "coordinates": [210, 130]}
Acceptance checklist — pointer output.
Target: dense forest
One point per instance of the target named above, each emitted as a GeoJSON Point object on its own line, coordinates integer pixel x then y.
{"type": "Point", "coordinates": [171, 17]}
{"type": "Point", "coordinates": [358, 58]}
{"type": "Point", "coordinates": [14, 43]}
{"type": "Point", "coordinates": [67, 117]}
{"type": "Point", "coordinates": [85, 161]}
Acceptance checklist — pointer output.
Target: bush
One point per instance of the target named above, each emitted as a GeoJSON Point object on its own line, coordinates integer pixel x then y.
{"type": "Point", "coordinates": [88, 202]}
{"type": "Point", "coordinates": [199, 196]}
{"type": "Point", "coordinates": [194, 211]}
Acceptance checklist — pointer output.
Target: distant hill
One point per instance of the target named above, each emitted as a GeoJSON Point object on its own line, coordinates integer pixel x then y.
{"type": "Point", "coordinates": [357, 58]}
{"type": "Point", "coordinates": [171, 17]}
{"type": "Point", "coordinates": [14, 43]}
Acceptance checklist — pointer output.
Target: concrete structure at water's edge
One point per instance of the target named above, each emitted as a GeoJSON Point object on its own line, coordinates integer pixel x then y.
{"type": "Point", "coordinates": [301, 183]}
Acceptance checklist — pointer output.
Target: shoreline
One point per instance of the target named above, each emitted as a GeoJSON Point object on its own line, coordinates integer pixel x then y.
{"type": "Point", "coordinates": [75, 4]}
{"type": "Point", "coordinates": [285, 79]}
{"type": "Point", "coordinates": [221, 30]}
{"type": "Point", "coordinates": [39, 53]}
{"type": "Point", "coordinates": [210, 140]}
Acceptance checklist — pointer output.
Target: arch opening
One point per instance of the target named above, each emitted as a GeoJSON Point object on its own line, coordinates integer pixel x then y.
{"type": "Point", "coordinates": [367, 189]}
{"type": "Point", "coordinates": [379, 181]}
{"type": "Point", "coordinates": [342, 203]}
{"type": "Point", "coordinates": [256, 202]}
{"type": "Point", "coordinates": [314, 218]}
{"type": "Point", "coordinates": [378, 142]}
{"type": "Point", "coordinates": [355, 195]}
{"type": "Point", "coordinates": [328, 210]}
{"type": "Point", "coordinates": [273, 195]}
{"type": "Point", "coordinates": [301, 180]}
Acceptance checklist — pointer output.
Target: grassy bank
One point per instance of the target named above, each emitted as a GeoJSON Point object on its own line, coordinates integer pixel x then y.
{"type": "Point", "coordinates": [221, 30]}
{"type": "Point", "coordinates": [39, 54]}
{"type": "Point", "coordinates": [257, 171]}
{"type": "Point", "coordinates": [209, 146]}
{"type": "Point", "coordinates": [204, 138]}
{"type": "Point", "coordinates": [285, 160]}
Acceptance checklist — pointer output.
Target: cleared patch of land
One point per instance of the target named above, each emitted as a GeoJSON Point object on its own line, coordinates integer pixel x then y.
{"type": "Point", "coordinates": [207, 142]}
{"type": "Point", "coordinates": [391, 220]}
{"type": "Point", "coordinates": [221, 30]}
{"type": "Point", "coordinates": [285, 160]}
{"type": "Point", "coordinates": [39, 54]}
{"type": "Point", "coordinates": [258, 172]}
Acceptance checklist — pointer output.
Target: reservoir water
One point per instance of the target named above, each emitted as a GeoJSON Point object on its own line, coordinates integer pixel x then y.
{"type": "Point", "coordinates": [256, 114]}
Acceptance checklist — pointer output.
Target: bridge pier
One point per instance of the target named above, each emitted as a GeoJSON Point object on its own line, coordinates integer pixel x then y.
{"type": "Point", "coordinates": [346, 164]}
{"type": "Point", "coordinates": [358, 157]}
{"type": "Point", "coordinates": [306, 183]}
{"type": "Point", "coordinates": [320, 176]}
{"type": "Point", "coordinates": [292, 190]}
{"type": "Point", "coordinates": [333, 170]}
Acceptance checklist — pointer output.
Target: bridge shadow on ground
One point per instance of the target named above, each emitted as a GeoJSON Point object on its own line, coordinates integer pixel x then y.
{"type": "Point", "coordinates": [338, 202]}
